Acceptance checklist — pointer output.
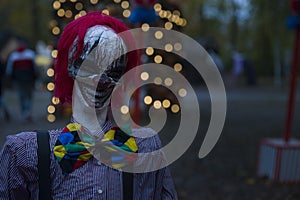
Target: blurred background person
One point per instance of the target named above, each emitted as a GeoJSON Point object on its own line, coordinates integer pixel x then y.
{"type": "Point", "coordinates": [3, 105]}
{"type": "Point", "coordinates": [21, 69]}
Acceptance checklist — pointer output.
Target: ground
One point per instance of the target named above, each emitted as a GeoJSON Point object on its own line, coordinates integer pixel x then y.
{"type": "Point", "coordinates": [229, 170]}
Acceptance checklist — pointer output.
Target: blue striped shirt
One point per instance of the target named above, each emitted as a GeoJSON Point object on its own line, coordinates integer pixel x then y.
{"type": "Point", "coordinates": [94, 180]}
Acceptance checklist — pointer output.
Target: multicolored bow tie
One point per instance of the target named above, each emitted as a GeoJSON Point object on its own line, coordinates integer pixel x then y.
{"type": "Point", "coordinates": [72, 151]}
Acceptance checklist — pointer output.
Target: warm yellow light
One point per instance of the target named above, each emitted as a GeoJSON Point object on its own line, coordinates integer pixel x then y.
{"type": "Point", "coordinates": [168, 82]}
{"type": "Point", "coordinates": [177, 46]}
{"type": "Point", "coordinates": [105, 11]}
{"type": "Point", "coordinates": [73, 1]}
{"type": "Point", "coordinates": [125, 4]}
{"type": "Point", "coordinates": [77, 16]}
{"type": "Point", "coordinates": [54, 53]}
{"type": "Point", "coordinates": [150, 51]}
{"type": "Point", "coordinates": [82, 13]}
{"type": "Point", "coordinates": [179, 22]}
{"type": "Point", "coordinates": [51, 109]}
{"type": "Point", "coordinates": [50, 72]}
{"type": "Point", "coordinates": [56, 5]}
{"type": "Point", "coordinates": [158, 81]}
{"type": "Point", "coordinates": [168, 25]}
{"type": "Point", "coordinates": [61, 12]}
{"type": "Point", "coordinates": [78, 6]}
{"type": "Point", "coordinates": [145, 27]}
{"type": "Point", "coordinates": [159, 35]}
{"type": "Point", "coordinates": [62, 1]}
{"type": "Point", "coordinates": [177, 67]}
{"type": "Point", "coordinates": [158, 59]}
{"type": "Point", "coordinates": [169, 47]}
{"type": "Point", "coordinates": [148, 100]}
{"type": "Point", "coordinates": [175, 18]}
{"type": "Point", "coordinates": [68, 14]}
{"type": "Point", "coordinates": [55, 30]}
{"type": "Point", "coordinates": [50, 86]}
{"type": "Point", "coordinates": [55, 100]}
{"type": "Point", "coordinates": [166, 103]}
{"type": "Point", "coordinates": [161, 14]}
{"type": "Point", "coordinates": [168, 14]}
{"type": "Point", "coordinates": [124, 110]}
{"type": "Point", "coordinates": [51, 118]}
{"type": "Point", "coordinates": [94, 1]}
{"type": "Point", "coordinates": [117, 1]}
{"type": "Point", "coordinates": [157, 7]}
{"type": "Point", "coordinates": [175, 108]}
{"type": "Point", "coordinates": [157, 104]}
{"type": "Point", "coordinates": [182, 92]}
{"type": "Point", "coordinates": [145, 76]}
{"type": "Point", "coordinates": [126, 13]}
{"type": "Point", "coordinates": [184, 22]}
{"type": "Point", "coordinates": [176, 12]}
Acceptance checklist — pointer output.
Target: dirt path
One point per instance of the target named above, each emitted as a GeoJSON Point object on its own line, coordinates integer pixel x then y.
{"type": "Point", "coordinates": [229, 171]}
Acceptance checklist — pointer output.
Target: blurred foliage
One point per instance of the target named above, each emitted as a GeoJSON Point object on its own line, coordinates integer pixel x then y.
{"type": "Point", "coordinates": [28, 18]}
{"type": "Point", "coordinates": [262, 35]}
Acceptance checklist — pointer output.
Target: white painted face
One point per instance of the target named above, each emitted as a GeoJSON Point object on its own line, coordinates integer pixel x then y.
{"type": "Point", "coordinates": [96, 72]}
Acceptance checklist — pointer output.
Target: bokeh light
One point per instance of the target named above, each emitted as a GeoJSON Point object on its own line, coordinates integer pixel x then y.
{"type": "Point", "coordinates": [124, 109]}
{"type": "Point", "coordinates": [157, 104]}
{"type": "Point", "coordinates": [51, 109]}
{"type": "Point", "coordinates": [54, 53]}
{"type": "Point", "coordinates": [148, 100]}
{"type": "Point", "coordinates": [169, 47]}
{"type": "Point", "coordinates": [158, 81]}
{"type": "Point", "coordinates": [55, 100]}
{"type": "Point", "coordinates": [125, 4]}
{"type": "Point", "coordinates": [159, 35]}
{"type": "Point", "coordinates": [178, 67]}
{"type": "Point", "coordinates": [175, 108]}
{"type": "Point", "coordinates": [126, 13]}
{"type": "Point", "coordinates": [166, 103]}
{"type": "Point", "coordinates": [50, 86]}
{"type": "Point", "coordinates": [144, 76]}
{"type": "Point", "coordinates": [56, 5]}
{"type": "Point", "coordinates": [150, 51]}
{"type": "Point", "coordinates": [145, 27]}
{"type": "Point", "coordinates": [168, 82]}
{"type": "Point", "coordinates": [50, 72]}
{"type": "Point", "coordinates": [51, 118]}
{"type": "Point", "coordinates": [158, 59]}
{"type": "Point", "coordinates": [182, 92]}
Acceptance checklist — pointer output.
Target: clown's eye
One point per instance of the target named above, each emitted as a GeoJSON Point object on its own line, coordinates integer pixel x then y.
{"type": "Point", "coordinates": [115, 73]}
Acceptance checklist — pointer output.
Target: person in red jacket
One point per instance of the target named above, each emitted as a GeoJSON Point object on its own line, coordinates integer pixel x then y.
{"type": "Point", "coordinates": [21, 68]}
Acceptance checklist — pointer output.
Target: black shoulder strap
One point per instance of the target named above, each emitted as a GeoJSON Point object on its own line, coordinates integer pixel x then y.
{"type": "Point", "coordinates": [44, 170]}
{"type": "Point", "coordinates": [44, 165]}
{"type": "Point", "coordinates": [127, 179]}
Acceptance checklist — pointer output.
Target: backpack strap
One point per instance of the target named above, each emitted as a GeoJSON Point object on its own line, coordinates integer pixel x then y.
{"type": "Point", "coordinates": [44, 165]}
{"type": "Point", "coordinates": [127, 180]}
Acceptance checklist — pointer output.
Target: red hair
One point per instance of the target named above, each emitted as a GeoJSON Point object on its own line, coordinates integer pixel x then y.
{"type": "Point", "coordinates": [77, 30]}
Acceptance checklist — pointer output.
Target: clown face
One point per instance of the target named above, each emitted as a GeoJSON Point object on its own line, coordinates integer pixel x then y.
{"type": "Point", "coordinates": [100, 67]}
{"type": "Point", "coordinates": [96, 72]}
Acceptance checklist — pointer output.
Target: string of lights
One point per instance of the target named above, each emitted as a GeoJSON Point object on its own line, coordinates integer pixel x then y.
{"type": "Point", "coordinates": [68, 10]}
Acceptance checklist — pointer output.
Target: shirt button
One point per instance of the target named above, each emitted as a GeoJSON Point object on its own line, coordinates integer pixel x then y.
{"type": "Point", "coordinates": [100, 191]}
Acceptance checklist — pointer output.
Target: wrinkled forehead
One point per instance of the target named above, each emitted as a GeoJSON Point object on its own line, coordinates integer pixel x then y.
{"type": "Point", "coordinates": [103, 48]}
